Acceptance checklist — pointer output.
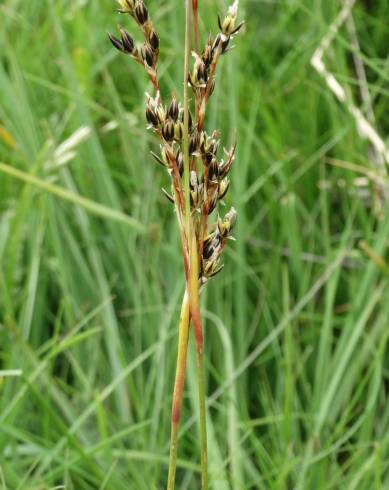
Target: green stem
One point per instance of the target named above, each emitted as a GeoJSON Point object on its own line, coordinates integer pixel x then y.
{"type": "Point", "coordinates": [203, 419]}
{"type": "Point", "coordinates": [183, 334]}
{"type": "Point", "coordinates": [193, 278]}
{"type": "Point", "coordinates": [198, 333]}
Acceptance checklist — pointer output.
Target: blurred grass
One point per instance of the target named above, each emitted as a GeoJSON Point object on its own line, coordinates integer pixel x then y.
{"type": "Point", "coordinates": [91, 278]}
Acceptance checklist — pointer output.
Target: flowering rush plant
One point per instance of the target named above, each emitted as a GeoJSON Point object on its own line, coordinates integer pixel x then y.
{"type": "Point", "coordinates": [198, 177]}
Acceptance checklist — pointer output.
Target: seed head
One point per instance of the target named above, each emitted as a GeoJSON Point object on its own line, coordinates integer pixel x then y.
{"type": "Point", "coordinates": [209, 185]}
{"type": "Point", "coordinates": [127, 41]}
{"type": "Point", "coordinates": [228, 25]}
{"type": "Point", "coordinates": [151, 116]}
{"type": "Point", "coordinates": [141, 13]}
{"type": "Point", "coordinates": [173, 109]}
{"type": "Point", "coordinates": [211, 244]}
{"type": "Point", "coordinates": [168, 130]}
{"type": "Point", "coordinates": [115, 41]}
{"type": "Point", "coordinates": [154, 40]}
{"type": "Point", "coordinates": [213, 171]}
{"type": "Point", "coordinates": [161, 114]}
{"type": "Point", "coordinates": [148, 55]}
{"type": "Point", "coordinates": [193, 143]}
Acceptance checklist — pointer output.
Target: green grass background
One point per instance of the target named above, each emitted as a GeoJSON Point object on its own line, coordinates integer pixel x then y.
{"type": "Point", "coordinates": [297, 323]}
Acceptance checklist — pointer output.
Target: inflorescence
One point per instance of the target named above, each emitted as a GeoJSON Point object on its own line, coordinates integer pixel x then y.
{"type": "Point", "coordinates": [208, 174]}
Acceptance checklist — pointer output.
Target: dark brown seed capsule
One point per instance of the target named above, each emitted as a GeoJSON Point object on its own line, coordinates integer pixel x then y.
{"type": "Point", "coordinates": [148, 55]}
{"type": "Point", "coordinates": [173, 109]}
{"type": "Point", "coordinates": [216, 43]}
{"type": "Point", "coordinates": [127, 41]}
{"type": "Point", "coordinates": [141, 13]}
{"type": "Point", "coordinates": [211, 244]}
{"type": "Point", "coordinates": [151, 116]}
{"type": "Point", "coordinates": [193, 143]}
{"type": "Point", "coordinates": [208, 157]}
{"type": "Point", "coordinates": [115, 41]}
{"type": "Point", "coordinates": [168, 130]}
{"type": "Point", "coordinates": [213, 171]}
{"type": "Point", "coordinates": [208, 250]}
{"type": "Point", "coordinates": [225, 45]}
{"type": "Point", "coordinates": [154, 40]}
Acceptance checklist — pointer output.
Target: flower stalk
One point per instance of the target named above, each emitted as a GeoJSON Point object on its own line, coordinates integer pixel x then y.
{"type": "Point", "coordinates": [183, 334]}
{"type": "Point", "coordinates": [195, 25]}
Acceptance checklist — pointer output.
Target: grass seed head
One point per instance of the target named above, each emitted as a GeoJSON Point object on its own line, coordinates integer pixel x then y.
{"type": "Point", "coordinates": [208, 184]}
{"type": "Point", "coordinates": [141, 13]}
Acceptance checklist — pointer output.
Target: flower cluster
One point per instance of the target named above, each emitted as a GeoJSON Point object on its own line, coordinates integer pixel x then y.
{"type": "Point", "coordinates": [208, 174]}
{"type": "Point", "coordinates": [201, 76]}
{"type": "Point", "coordinates": [147, 53]}
{"type": "Point", "coordinates": [207, 187]}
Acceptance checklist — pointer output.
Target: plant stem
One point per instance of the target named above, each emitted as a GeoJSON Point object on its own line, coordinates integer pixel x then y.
{"type": "Point", "coordinates": [183, 333]}
{"type": "Point", "coordinates": [203, 419]}
{"type": "Point", "coordinates": [194, 300]}
{"type": "Point", "coordinates": [193, 279]}
{"type": "Point", "coordinates": [196, 44]}
{"type": "Point", "coordinates": [186, 123]}
{"type": "Point", "coordinates": [195, 25]}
